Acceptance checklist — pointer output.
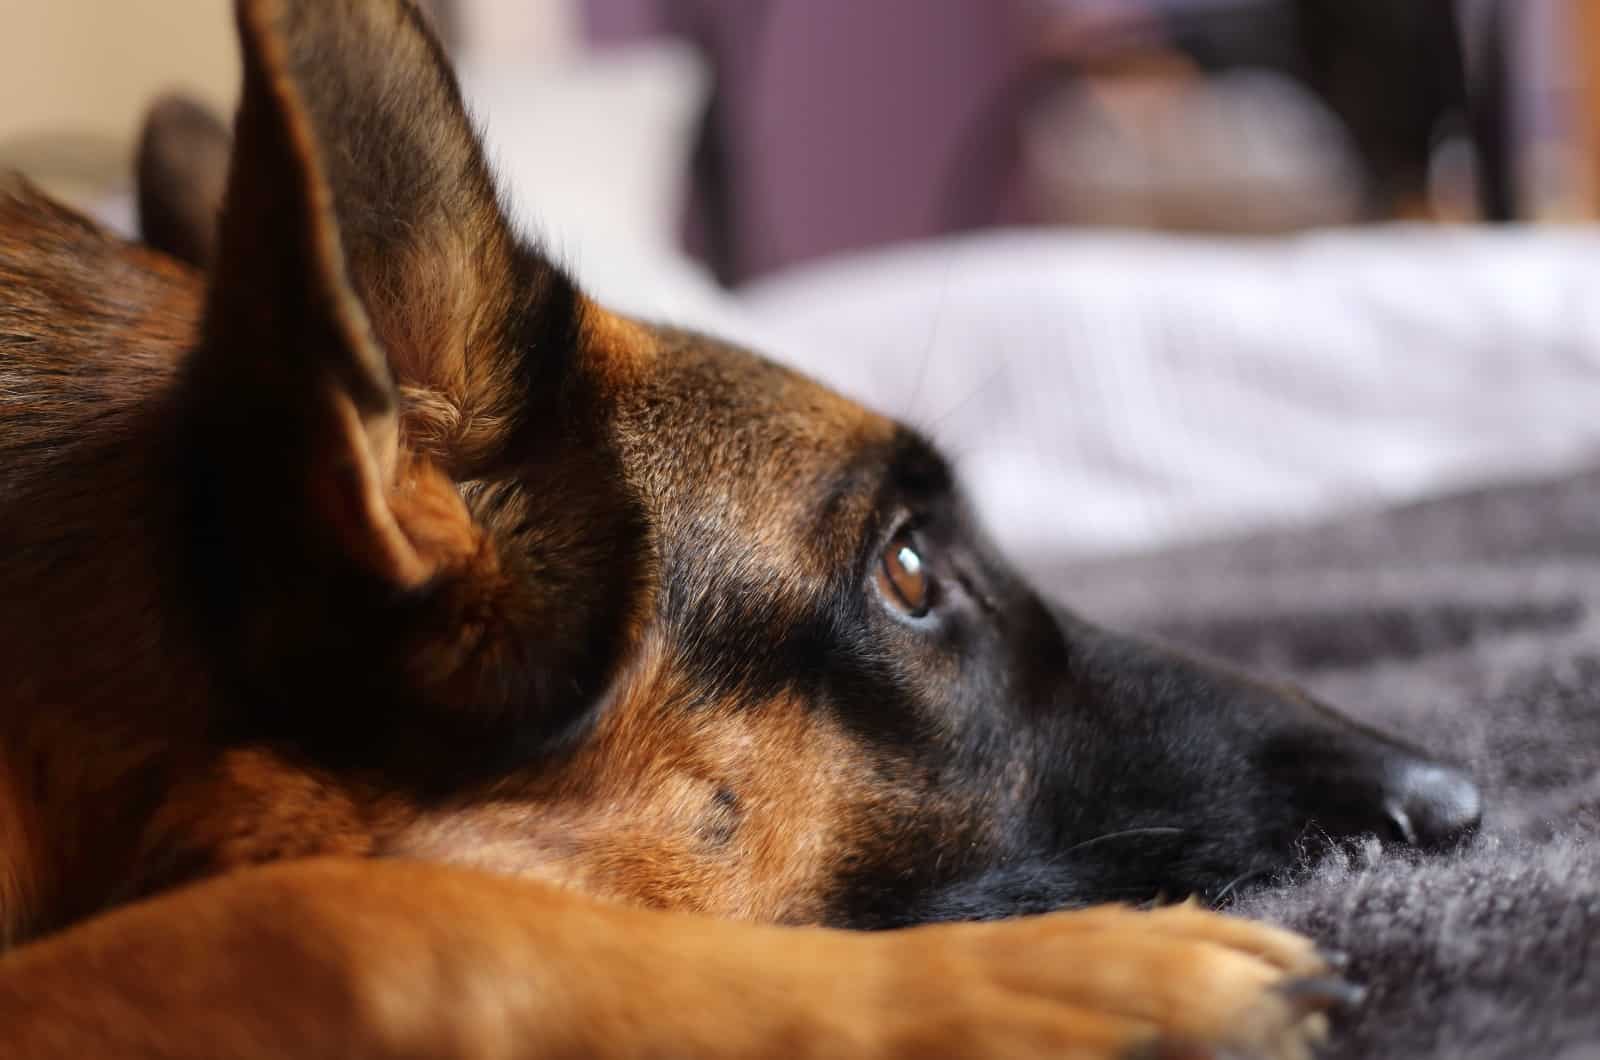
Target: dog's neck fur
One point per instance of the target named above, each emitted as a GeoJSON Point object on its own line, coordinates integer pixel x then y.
{"type": "Point", "coordinates": [90, 556]}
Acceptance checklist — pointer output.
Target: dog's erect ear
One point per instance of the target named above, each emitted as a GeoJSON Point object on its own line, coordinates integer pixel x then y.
{"type": "Point", "coordinates": [462, 311]}
{"type": "Point", "coordinates": [362, 250]}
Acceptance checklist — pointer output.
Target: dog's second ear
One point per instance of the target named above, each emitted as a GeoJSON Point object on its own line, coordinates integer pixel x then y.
{"type": "Point", "coordinates": [182, 169]}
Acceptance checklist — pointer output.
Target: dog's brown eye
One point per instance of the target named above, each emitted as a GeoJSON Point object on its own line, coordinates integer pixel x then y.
{"type": "Point", "coordinates": [902, 576]}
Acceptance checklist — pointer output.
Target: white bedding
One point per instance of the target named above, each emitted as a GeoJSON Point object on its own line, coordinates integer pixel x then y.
{"type": "Point", "coordinates": [1111, 391]}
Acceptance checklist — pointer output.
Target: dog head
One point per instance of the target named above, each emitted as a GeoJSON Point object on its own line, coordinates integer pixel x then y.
{"type": "Point", "coordinates": [485, 573]}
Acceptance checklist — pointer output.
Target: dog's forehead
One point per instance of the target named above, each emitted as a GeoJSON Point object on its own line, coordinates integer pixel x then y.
{"type": "Point", "coordinates": [695, 417]}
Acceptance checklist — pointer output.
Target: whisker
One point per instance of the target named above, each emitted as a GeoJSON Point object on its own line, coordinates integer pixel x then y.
{"type": "Point", "coordinates": [1124, 834]}
{"type": "Point", "coordinates": [1253, 874]}
{"type": "Point", "coordinates": [928, 345]}
{"type": "Point", "coordinates": [995, 374]}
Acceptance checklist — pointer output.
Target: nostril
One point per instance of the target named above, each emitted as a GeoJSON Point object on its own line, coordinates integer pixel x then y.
{"type": "Point", "coordinates": [1432, 806]}
{"type": "Point", "coordinates": [1400, 827]}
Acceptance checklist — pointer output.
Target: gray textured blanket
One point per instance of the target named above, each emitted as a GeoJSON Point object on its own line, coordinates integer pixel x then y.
{"type": "Point", "coordinates": [1470, 625]}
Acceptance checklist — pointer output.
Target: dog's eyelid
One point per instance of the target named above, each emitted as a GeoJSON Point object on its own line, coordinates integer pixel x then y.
{"type": "Point", "coordinates": [918, 467]}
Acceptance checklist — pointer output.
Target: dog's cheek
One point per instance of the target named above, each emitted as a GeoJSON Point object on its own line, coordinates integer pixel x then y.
{"type": "Point", "coordinates": [740, 809]}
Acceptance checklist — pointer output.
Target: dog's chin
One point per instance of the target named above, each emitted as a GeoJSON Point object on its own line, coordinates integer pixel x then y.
{"type": "Point", "coordinates": [1030, 886]}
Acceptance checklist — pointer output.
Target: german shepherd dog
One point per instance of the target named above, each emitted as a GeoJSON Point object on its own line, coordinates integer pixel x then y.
{"type": "Point", "coordinates": [408, 657]}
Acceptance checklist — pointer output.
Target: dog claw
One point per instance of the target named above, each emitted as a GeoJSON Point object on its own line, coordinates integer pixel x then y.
{"type": "Point", "coordinates": [1320, 993]}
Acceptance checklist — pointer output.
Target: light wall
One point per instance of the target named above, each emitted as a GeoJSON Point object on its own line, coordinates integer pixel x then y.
{"type": "Point", "coordinates": [76, 76]}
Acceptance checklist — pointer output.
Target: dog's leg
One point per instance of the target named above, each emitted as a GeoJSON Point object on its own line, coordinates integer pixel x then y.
{"type": "Point", "coordinates": [351, 959]}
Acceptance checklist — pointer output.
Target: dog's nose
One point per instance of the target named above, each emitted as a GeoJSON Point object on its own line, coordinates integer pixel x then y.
{"type": "Point", "coordinates": [1356, 783]}
{"type": "Point", "coordinates": [1430, 806]}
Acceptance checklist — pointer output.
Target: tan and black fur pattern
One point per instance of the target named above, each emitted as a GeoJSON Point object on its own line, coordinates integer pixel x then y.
{"type": "Point", "coordinates": [560, 634]}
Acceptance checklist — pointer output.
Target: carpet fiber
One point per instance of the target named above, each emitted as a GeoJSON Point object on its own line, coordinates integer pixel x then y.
{"type": "Point", "coordinates": [1471, 626]}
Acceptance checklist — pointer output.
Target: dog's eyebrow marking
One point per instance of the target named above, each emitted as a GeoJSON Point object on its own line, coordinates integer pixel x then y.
{"type": "Point", "coordinates": [908, 466]}
{"type": "Point", "coordinates": [917, 467]}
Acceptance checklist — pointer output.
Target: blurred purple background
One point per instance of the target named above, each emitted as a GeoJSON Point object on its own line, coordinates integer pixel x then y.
{"type": "Point", "coordinates": [839, 124]}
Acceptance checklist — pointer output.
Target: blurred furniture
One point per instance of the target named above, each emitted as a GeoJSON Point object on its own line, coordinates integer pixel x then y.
{"type": "Point", "coordinates": [1253, 115]}
{"type": "Point", "coordinates": [835, 124]}
{"type": "Point", "coordinates": [838, 125]}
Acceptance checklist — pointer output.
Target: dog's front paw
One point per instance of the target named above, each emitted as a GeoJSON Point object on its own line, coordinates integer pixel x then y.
{"type": "Point", "coordinates": [1115, 982]}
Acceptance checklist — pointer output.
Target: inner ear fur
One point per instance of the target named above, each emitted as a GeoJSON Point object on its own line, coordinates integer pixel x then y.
{"type": "Point", "coordinates": [288, 348]}
{"type": "Point", "coordinates": [367, 293]}
{"type": "Point", "coordinates": [473, 323]}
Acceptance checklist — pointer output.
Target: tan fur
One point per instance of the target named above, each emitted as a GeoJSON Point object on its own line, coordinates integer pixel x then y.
{"type": "Point", "coordinates": [636, 815]}
{"type": "Point", "coordinates": [480, 966]}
